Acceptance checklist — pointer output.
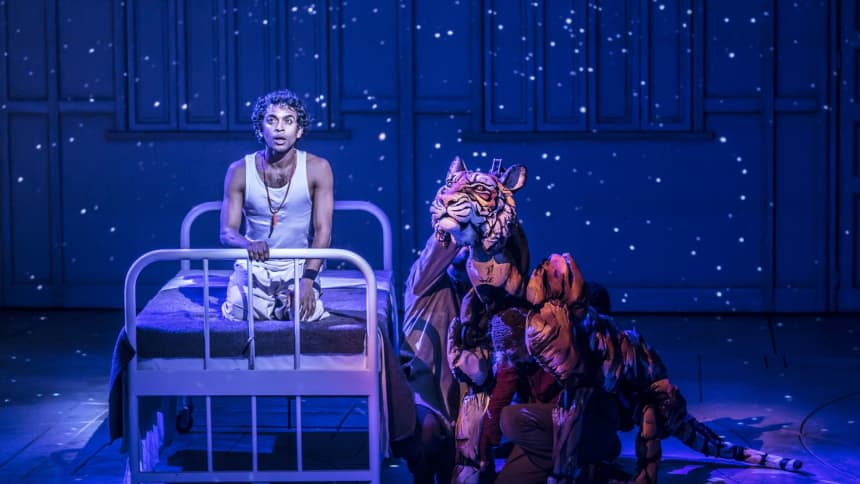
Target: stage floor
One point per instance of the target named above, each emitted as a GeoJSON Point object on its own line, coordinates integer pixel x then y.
{"type": "Point", "coordinates": [789, 385]}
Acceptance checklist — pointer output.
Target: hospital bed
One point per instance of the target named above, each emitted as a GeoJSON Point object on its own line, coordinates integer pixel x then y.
{"type": "Point", "coordinates": [180, 346]}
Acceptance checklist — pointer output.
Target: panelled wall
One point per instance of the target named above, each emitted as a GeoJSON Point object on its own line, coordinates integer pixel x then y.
{"type": "Point", "coordinates": [692, 155]}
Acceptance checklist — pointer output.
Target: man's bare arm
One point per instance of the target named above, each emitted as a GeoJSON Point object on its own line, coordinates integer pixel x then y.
{"type": "Point", "coordinates": [322, 184]}
{"type": "Point", "coordinates": [231, 213]}
{"type": "Point", "coordinates": [323, 206]}
{"type": "Point", "coordinates": [231, 206]}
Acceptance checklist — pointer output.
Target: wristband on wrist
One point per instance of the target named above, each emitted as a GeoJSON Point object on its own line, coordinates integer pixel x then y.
{"type": "Point", "coordinates": [310, 274]}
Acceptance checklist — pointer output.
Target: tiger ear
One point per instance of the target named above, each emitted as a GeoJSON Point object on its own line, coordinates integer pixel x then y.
{"type": "Point", "coordinates": [514, 177]}
{"type": "Point", "coordinates": [456, 166]}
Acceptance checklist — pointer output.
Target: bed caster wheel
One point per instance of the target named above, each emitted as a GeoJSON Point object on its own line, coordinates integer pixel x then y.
{"type": "Point", "coordinates": [184, 420]}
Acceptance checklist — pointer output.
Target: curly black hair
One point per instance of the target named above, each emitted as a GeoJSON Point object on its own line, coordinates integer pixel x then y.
{"type": "Point", "coordinates": [276, 98]}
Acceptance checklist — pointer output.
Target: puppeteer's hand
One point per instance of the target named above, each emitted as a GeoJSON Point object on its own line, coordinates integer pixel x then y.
{"type": "Point", "coordinates": [258, 250]}
{"type": "Point", "coordinates": [308, 298]}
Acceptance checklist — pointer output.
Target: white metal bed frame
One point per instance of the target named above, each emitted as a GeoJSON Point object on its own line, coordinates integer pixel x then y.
{"type": "Point", "coordinates": [297, 382]}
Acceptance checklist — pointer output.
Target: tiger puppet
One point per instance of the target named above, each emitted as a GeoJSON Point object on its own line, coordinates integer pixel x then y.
{"type": "Point", "coordinates": [584, 349]}
{"type": "Point", "coordinates": [476, 210]}
{"type": "Point", "coordinates": [581, 347]}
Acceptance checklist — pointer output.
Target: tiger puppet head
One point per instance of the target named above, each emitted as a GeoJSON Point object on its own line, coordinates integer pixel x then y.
{"type": "Point", "coordinates": [477, 210]}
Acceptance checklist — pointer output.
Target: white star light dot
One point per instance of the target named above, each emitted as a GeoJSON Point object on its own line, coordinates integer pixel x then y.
{"type": "Point", "coordinates": [20, 179]}
{"type": "Point", "coordinates": [719, 268]}
{"type": "Point", "coordinates": [39, 146]}
{"type": "Point", "coordinates": [83, 211]}
{"type": "Point", "coordinates": [382, 136]}
{"type": "Point", "coordinates": [692, 252]}
{"type": "Point", "coordinates": [616, 229]}
{"type": "Point", "coordinates": [112, 229]}
{"type": "Point", "coordinates": [156, 103]}
{"type": "Point", "coordinates": [632, 247]}
{"type": "Point", "coordinates": [437, 145]}
{"type": "Point", "coordinates": [722, 139]}
{"type": "Point", "coordinates": [548, 213]}
{"type": "Point", "coordinates": [407, 227]}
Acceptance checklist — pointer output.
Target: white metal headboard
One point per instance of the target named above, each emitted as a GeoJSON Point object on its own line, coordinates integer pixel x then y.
{"type": "Point", "coordinates": [359, 205]}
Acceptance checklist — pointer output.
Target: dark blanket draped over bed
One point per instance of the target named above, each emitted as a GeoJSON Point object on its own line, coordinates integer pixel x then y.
{"type": "Point", "coordinates": [171, 326]}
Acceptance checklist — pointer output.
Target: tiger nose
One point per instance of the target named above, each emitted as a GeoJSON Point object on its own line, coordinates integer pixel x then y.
{"type": "Point", "coordinates": [448, 200]}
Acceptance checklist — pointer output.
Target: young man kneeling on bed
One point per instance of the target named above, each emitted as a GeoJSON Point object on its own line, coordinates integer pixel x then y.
{"type": "Point", "coordinates": [281, 191]}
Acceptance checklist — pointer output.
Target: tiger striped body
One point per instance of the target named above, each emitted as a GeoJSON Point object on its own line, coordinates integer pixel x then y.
{"type": "Point", "coordinates": [598, 352]}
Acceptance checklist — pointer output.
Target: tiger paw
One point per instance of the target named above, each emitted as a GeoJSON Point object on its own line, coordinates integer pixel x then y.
{"type": "Point", "coordinates": [549, 339]}
{"type": "Point", "coordinates": [556, 278]}
{"type": "Point", "coordinates": [469, 363]}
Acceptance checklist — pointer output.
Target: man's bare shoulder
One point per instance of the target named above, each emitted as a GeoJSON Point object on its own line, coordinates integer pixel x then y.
{"type": "Point", "coordinates": [316, 161]}
{"type": "Point", "coordinates": [238, 165]}
{"type": "Point", "coordinates": [318, 166]}
{"type": "Point", "coordinates": [237, 168]}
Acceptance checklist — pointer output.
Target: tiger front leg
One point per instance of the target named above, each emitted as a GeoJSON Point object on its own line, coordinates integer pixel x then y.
{"type": "Point", "coordinates": [649, 449]}
{"type": "Point", "coordinates": [469, 358]}
{"type": "Point", "coordinates": [468, 345]}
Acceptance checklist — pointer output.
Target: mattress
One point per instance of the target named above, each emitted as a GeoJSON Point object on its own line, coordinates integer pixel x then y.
{"type": "Point", "coordinates": [170, 326]}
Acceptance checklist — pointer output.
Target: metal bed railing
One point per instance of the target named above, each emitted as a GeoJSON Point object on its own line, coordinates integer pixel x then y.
{"type": "Point", "coordinates": [344, 205]}
{"type": "Point", "coordinates": [210, 383]}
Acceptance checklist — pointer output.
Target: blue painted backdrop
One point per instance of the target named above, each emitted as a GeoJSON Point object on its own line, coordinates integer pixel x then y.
{"type": "Point", "coordinates": [693, 155]}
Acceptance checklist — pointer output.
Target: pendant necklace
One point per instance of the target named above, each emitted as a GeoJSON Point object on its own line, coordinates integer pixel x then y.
{"type": "Point", "coordinates": [274, 211]}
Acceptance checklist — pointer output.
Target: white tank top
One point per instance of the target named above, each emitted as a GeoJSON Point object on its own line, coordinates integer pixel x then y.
{"type": "Point", "coordinates": [294, 218]}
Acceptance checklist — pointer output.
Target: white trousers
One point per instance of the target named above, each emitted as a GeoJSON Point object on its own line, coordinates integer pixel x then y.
{"type": "Point", "coordinates": [272, 291]}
